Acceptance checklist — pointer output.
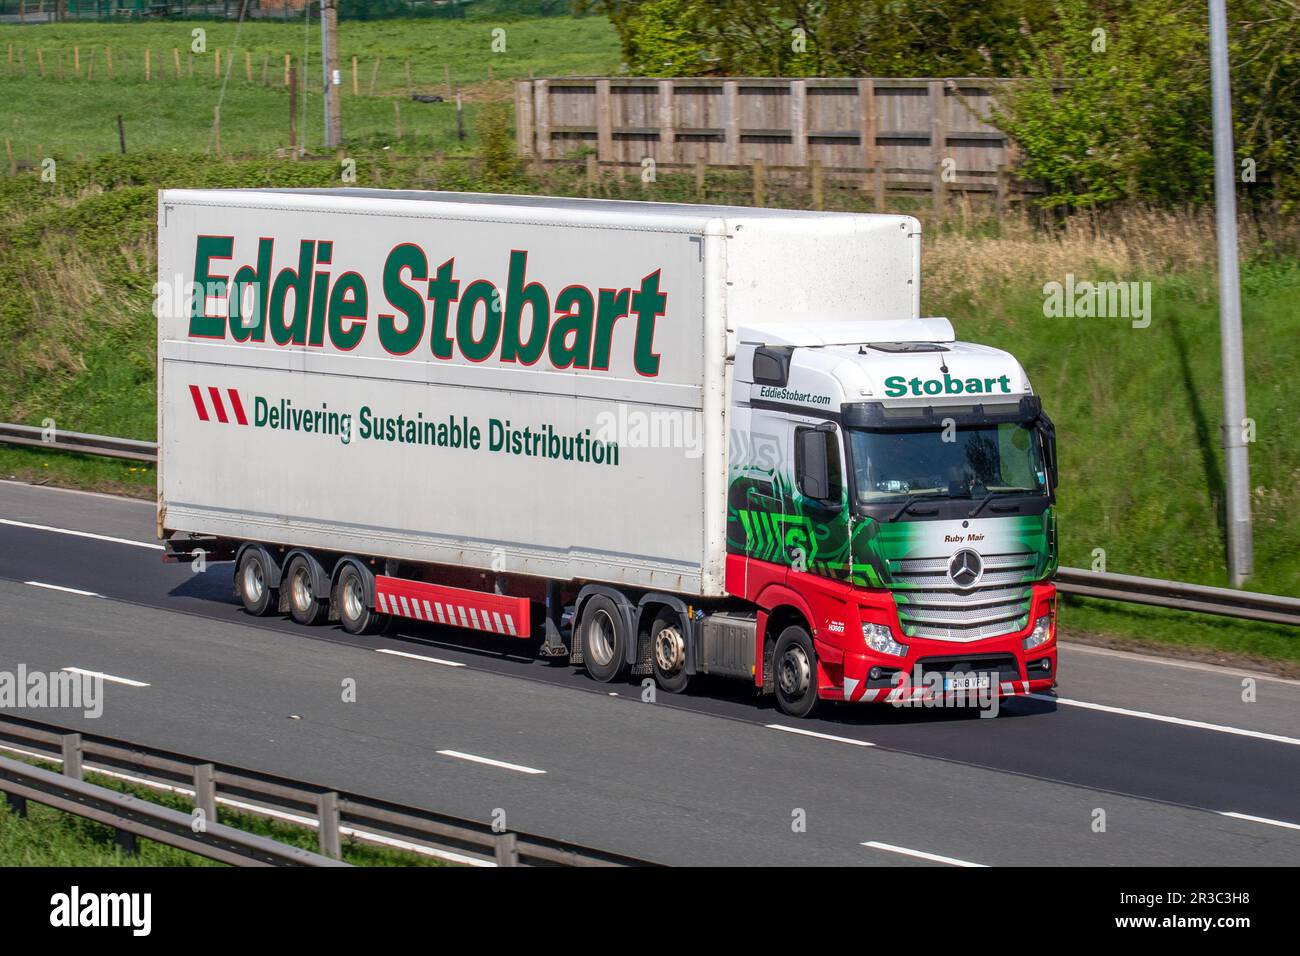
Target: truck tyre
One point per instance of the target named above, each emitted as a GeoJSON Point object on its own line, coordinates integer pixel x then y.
{"type": "Point", "coordinates": [356, 616]}
{"type": "Point", "coordinates": [603, 639]}
{"type": "Point", "coordinates": [251, 581]}
{"type": "Point", "coordinates": [305, 606]}
{"type": "Point", "coordinates": [668, 651]}
{"type": "Point", "coordinates": [795, 665]}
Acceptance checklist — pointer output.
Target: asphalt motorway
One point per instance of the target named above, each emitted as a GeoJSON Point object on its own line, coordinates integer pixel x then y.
{"type": "Point", "coordinates": [1139, 760]}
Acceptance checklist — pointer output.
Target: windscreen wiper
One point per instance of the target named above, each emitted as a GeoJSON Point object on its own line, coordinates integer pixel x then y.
{"type": "Point", "coordinates": [911, 500]}
{"type": "Point", "coordinates": [986, 499]}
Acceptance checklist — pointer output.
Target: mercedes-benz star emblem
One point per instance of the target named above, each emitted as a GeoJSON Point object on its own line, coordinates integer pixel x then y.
{"type": "Point", "coordinates": [965, 568]}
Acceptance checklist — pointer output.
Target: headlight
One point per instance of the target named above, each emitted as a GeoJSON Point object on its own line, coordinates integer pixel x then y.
{"type": "Point", "coordinates": [1041, 634]}
{"type": "Point", "coordinates": [881, 640]}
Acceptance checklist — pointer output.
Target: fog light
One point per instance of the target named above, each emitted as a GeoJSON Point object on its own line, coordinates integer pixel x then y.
{"type": "Point", "coordinates": [1041, 633]}
{"type": "Point", "coordinates": [881, 640]}
{"type": "Point", "coordinates": [875, 673]}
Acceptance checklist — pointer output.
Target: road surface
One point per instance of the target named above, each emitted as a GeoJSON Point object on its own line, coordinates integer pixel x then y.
{"type": "Point", "coordinates": [1140, 761]}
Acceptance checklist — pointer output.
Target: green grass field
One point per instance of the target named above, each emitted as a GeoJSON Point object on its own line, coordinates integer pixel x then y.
{"type": "Point", "coordinates": [66, 115]}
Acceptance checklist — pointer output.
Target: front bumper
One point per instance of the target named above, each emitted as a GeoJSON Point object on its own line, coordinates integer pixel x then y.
{"type": "Point", "coordinates": [863, 675]}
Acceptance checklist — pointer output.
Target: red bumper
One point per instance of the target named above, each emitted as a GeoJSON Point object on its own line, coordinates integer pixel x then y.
{"type": "Point", "coordinates": [853, 672]}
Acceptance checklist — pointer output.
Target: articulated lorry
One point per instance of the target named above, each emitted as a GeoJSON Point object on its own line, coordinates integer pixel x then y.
{"type": "Point", "coordinates": [649, 439]}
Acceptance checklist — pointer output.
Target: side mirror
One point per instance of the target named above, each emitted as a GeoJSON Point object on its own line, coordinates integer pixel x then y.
{"type": "Point", "coordinates": [1048, 431]}
{"type": "Point", "coordinates": [812, 463]}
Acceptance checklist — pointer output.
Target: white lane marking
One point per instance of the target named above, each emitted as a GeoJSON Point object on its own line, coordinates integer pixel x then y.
{"type": "Point", "coordinates": [812, 733]}
{"type": "Point", "coordinates": [418, 657]}
{"type": "Point", "coordinates": [1164, 719]}
{"type": "Point", "coordinates": [108, 677]}
{"type": "Point", "coordinates": [82, 534]}
{"type": "Point", "coordinates": [60, 587]}
{"type": "Point", "coordinates": [922, 855]}
{"type": "Point", "coordinates": [1272, 823]}
{"type": "Point", "coordinates": [490, 762]}
{"type": "Point", "coordinates": [1218, 669]}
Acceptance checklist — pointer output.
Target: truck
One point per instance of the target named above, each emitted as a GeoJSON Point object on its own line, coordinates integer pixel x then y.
{"type": "Point", "coordinates": [654, 440]}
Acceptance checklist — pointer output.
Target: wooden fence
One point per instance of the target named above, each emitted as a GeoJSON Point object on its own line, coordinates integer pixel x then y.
{"type": "Point", "coordinates": [900, 135]}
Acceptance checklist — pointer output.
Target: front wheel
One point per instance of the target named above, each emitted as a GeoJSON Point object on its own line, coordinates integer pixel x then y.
{"type": "Point", "coordinates": [795, 663]}
{"type": "Point", "coordinates": [669, 650]}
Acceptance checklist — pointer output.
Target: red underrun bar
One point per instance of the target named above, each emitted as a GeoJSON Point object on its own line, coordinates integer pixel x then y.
{"type": "Point", "coordinates": [457, 607]}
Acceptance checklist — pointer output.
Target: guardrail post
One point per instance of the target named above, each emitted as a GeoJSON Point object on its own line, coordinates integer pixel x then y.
{"type": "Point", "coordinates": [507, 852]}
{"type": "Point", "coordinates": [126, 842]}
{"type": "Point", "coordinates": [17, 804]}
{"type": "Point", "coordinates": [72, 756]}
{"type": "Point", "coordinates": [205, 791]}
{"type": "Point", "coordinates": [327, 814]}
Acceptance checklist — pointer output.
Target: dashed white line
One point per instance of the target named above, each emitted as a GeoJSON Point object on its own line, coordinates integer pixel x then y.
{"type": "Point", "coordinates": [1272, 823]}
{"type": "Point", "coordinates": [922, 855]}
{"type": "Point", "coordinates": [60, 587]}
{"type": "Point", "coordinates": [489, 761]}
{"type": "Point", "coordinates": [812, 733]}
{"type": "Point", "coordinates": [82, 534]}
{"type": "Point", "coordinates": [418, 657]}
{"type": "Point", "coordinates": [1164, 719]}
{"type": "Point", "coordinates": [108, 677]}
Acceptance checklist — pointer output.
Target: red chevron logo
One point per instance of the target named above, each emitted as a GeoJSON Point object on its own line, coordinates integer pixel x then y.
{"type": "Point", "coordinates": [218, 406]}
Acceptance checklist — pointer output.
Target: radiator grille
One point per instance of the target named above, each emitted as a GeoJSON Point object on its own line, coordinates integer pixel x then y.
{"type": "Point", "coordinates": [929, 606]}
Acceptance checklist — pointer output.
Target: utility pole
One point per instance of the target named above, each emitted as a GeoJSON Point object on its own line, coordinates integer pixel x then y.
{"type": "Point", "coordinates": [329, 25]}
{"type": "Point", "coordinates": [1240, 560]}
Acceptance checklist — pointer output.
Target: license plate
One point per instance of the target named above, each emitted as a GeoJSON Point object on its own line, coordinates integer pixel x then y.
{"type": "Point", "coordinates": [953, 682]}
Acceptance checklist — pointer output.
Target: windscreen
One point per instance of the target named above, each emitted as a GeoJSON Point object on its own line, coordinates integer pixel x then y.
{"type": "Point", "coordinates": [968, 461]}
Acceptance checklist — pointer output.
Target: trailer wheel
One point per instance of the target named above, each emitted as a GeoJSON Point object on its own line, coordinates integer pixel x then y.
{"type": "Point", "coordinates": [356, 616]}
{"type": "Point", "coordinates": [251, 577]}
{"type": "Point", "coordinates": [603, 639]}
{"type": "Point", "coordinates": [795, 665]}
{"type": "Point", "coordinates": [305, 606]}
{"type": "Point", "coordinates": [668, 649]}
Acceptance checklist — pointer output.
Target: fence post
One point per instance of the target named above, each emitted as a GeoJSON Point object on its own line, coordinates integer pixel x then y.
{"type": "Point", "coordinates": [507, 850]}
{"type": "Point", "coordinates": [356, 87]}
{"type": "Point", "coordinates": [699, 178]}
{"type": "Point", "coordinates": [374, 75]}
{"type": "Point", "coordinates": [758, 182]}
{"type": "Point", "coordinates": [524, 117]}
{"type": "Point", "coordinates": [148, 64]}
{"type": "Point", "coordinates": [938, 142]}
{"type": "Point", "coordinates": [205, 791]}
{"type": "Point", "coordinates": [176, 61]}
{"type": "Point", "coordinates": [291, 80]}
{"type": "Point", "coordinates": [667, 123]}
{"type": "Point", "coordinates": [542, 117]}
{"type": "Point", "coordinates": [604, 123]}
{"type": "Point", "coordinates": [731, 123]}
{"type": "Point", "coordinates": [799, 121]}
{"type": "Point", "coordinates": [815, 175]}
{"type": "Point", "coordinates": [72, 756]}
{"type": "Point", "coordinates": [327, 815]}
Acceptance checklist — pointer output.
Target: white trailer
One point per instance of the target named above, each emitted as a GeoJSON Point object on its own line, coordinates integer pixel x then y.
{"type": "Point", "coordinates": [458, 407]}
